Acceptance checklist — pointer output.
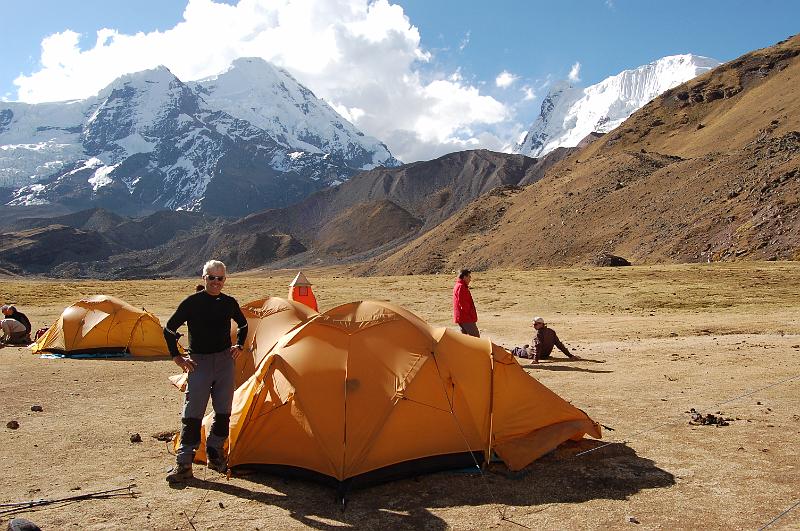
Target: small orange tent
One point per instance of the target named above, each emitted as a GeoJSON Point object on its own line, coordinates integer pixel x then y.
{"type": "Point", "coordinates": [369, 390]}
{"type": "Point", "coordinates": [103, 324]}
{"type": "Point", "coordinates": [300, 291]}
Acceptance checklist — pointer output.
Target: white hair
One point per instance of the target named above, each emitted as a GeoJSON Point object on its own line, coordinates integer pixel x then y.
{"type": "Point", "coordinates": [213, 264]}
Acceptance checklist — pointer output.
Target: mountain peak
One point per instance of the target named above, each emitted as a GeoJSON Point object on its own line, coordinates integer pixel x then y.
{"type": "Point", "coordinates": [269, 97]}
{"type": "Point", "coordinates": [568, 113]}
{"type": "Point", "coordinates": [160, 75]}
{"type": "Point", "coordinates": [251, 70]}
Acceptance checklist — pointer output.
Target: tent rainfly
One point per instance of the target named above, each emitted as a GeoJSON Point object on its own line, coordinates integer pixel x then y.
{"type": "Point", "coordinates": [368, 391]}
{"type": "Point", "coordinates": [102, 324]}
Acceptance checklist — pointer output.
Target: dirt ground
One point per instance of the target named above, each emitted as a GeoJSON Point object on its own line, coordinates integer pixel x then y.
{"type": "Point", "coordinates": [656, 341]}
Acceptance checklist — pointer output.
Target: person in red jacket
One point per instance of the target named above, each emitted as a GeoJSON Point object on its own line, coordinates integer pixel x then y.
{"type": "Point", "coordinates": [464, 313]}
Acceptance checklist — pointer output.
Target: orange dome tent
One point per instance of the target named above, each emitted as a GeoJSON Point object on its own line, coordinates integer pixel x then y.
{"type": "Point", "coordinates": [104, 325]}
{"type": "Point", "coordinates": [368, 390]}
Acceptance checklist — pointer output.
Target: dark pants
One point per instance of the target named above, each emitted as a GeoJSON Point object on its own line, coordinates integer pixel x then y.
{"type": "Point", "coordinates": [213, 377]}
{"type": "Point", "coordinates": [20, 338]}
{"type": "Point", "coordinates": [471, 329]}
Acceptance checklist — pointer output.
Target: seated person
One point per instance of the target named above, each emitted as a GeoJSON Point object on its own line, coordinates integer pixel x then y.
{"type": "Point", "coordinates": [15, 325]}
{"type": "Point", "coordinates": [544, 341]}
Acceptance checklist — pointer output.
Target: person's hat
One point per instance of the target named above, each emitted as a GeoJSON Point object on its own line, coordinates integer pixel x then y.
{"type": "Point", "coordinates": [538, 320]}
{"type": "Point", "coordinates": [5, 308]}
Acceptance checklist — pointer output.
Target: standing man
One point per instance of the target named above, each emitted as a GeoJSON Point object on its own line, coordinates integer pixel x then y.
{"type": "Point", "coordinates": [544, 341]}
{"type": "Point", "coordinates": [16, 325]}
{"type": "Point", "coordinates": [210, 364]}
{"type": "Point", "coordinates": [464, 312]}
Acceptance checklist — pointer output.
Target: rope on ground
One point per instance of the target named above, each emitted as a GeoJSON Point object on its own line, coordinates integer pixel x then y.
{"type": "Point", "coordinates": [673, 419]}
{"type": "Point", "coordinates": [189, 519]}
{"type": "Point", "coordinates": [784, 513]}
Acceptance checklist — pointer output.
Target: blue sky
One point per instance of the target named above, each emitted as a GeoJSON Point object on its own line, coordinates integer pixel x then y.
{"type": "Point", "coordinates": [449, 53]}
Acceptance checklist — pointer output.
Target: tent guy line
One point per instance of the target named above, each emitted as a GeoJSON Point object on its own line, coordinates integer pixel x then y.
{"type": "Point", "coordinates": [200, 501]}
{"type": "Point", "coordinates": [501, 508]}
{"type": "Point", "coordinates": [673, 419]}
{"type": "Point", "coordinates": [784, 513]}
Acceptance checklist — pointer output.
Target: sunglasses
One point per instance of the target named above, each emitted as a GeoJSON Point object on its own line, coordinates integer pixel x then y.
{"type": "Point", "coordinates": [214, 277]}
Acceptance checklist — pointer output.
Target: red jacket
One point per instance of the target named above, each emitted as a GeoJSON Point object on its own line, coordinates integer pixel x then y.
{"type": "Point", "coordinates": [463, 307]}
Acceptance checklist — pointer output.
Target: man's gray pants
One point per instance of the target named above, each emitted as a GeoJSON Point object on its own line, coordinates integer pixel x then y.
{"type": "Point", "coordinates": [213, 377]}
{"type": "Point", "coordinates": [470, 329]}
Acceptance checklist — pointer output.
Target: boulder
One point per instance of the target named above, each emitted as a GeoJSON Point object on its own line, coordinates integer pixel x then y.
{"type": "Point", "coordinates": [610, 260]}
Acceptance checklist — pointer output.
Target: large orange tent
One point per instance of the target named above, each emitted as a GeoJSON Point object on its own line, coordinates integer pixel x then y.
{"type": "Point", "coordinates": [104, 325]}
{"type": "Point", "coordinates": [368, 390]}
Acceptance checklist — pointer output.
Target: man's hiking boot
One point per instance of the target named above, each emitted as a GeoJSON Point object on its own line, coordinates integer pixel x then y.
{"type": "Point", "coordinates": [216, 461]}
{"type": "Point", "coordinates": [180, 473]}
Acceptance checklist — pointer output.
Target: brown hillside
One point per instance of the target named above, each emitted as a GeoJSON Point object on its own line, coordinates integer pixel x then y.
{"type": "Point", "coordinates": [430, 191]}
{"type": "Point", "coordinates": [365, 227]}
{"type": "Point", "coordinates": [708, 171]}
{"type": "Point", "coordinates": [241, 250]}
{"type": "Point", "coordinates": [42, 248]}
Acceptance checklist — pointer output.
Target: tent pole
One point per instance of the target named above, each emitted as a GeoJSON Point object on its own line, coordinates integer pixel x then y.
{"type": "Point", "coordinates": [488, 455]}
{"type": "Point", "coordinates": [133, 331]}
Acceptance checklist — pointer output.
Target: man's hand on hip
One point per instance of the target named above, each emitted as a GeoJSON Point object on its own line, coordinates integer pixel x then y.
{"type": "Point", "coordinates": [186, 363]}
{"type": "Point", "coordinates": [235, 351]}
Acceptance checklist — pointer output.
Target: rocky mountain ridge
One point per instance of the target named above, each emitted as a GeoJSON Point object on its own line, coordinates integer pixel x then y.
{"type": "Point", "coordinates": [373, 211]}
{"type": "Point", "coordinates": [148, 141]}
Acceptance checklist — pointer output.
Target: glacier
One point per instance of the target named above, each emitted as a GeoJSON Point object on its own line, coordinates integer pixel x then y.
{"type": "Point", "coordinates": [569, 113]}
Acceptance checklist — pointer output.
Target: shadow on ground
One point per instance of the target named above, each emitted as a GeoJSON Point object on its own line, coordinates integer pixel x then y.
{"type": "Point", "coordinates": [551, 367]}
{"type": "Point", "coordinates": [612, 472]}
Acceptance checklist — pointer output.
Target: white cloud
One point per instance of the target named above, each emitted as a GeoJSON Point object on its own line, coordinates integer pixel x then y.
{"type": "Point", "coordinates": [575, 72]}
{"type": "Point", "coordinates": [528, 93]}
{"type": "Point", "coordinates": [351, 114]}
{"type": "Point", "coordinates": [362, 56]}
{"type": "Point", "coordinates": [505, 79]}
{"type": "Point", "coordinates": [465, 41]}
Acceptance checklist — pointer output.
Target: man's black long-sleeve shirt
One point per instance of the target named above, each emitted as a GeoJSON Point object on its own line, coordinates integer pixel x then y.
{"type": "Point", "coordinates": [208, 318]}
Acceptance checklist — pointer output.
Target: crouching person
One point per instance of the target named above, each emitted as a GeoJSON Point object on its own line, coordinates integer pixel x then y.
{"type": "Point", "coordinates": [16, 326]}
{"type": "Point", "coordinates": [210, 367]}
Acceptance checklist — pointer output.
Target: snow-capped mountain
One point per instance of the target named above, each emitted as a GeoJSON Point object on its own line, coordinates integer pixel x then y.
{"type": "Point", "coordinates": [249, 139]}
{"type": "Point", "coordinates": [569, 113]}
{"type": "Point", "coordinates": [270, 98]}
